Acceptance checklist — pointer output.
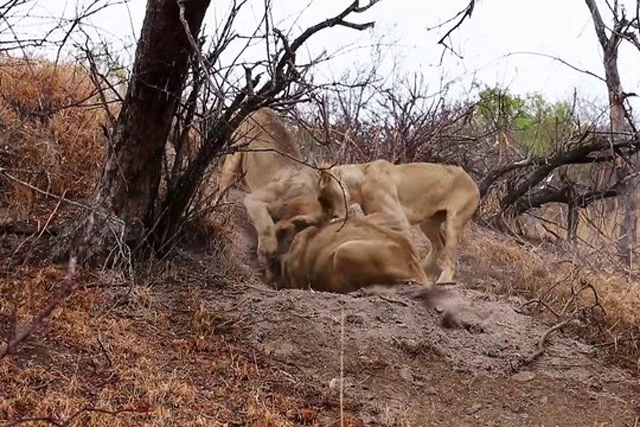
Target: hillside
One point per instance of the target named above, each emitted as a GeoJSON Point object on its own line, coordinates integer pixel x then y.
{"type": "Point", "coordinates": [202, 342]}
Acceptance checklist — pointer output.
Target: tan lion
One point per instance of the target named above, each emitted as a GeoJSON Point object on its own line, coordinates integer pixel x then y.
{"type": "Point", "coordinates": [398, 196]}
{"type": "Point", "coordinates": [342, 257]}
{"type": "Point", "coordinates": [273, 176]}
{"type": "Point", "coordinates": [267, 148]}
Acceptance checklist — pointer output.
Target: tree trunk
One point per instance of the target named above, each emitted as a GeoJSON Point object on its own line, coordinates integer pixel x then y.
{"type": "Point", "coordinates": [129, 184]}
{"type": "Point", "coordinates": [626, 201]}
{"type": "Point", "coordinates": [573, 218]}
{"type": "Point", "coordinates": [618, 126]}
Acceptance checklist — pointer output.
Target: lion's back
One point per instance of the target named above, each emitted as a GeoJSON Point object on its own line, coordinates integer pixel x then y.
{"type": "Point", "coordinates": [343, 256]}
{"type": "Point", "coordinates": [268, 147]}
{"type": "Point", "coordinates": [422, 188]}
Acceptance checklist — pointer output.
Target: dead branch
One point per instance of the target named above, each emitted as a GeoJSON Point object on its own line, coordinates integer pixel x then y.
{"type": "Point", "coordinates": [558, 59]}
{"type": "Point", "coordinates": [463, 14]}
{"type": "Point", "coordinates": [5, 173]}
{"type": "Point", "coordinates": [542, 303]}
{"type": "Point", "coordinates": [540, 351]}
{"type": "Point", "coordinates": [196, 50]}
{"type": "Point", "coordinates": [95, 75]}
{"type": "Point", "coordinates": [567, 318]}
{"type": "Point", "coordinates": [584, 153]}
{"type": "Point", "coordinates": [568, 196]}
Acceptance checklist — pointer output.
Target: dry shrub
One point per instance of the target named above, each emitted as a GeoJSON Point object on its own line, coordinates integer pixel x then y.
{"type": "Point", "coordinates": [265, 411]}
{"type": "Point", "coordinates": [27, 292]}
{"type": "Point", "coordinates": [554, 277]}
{"type": "Point", "coordinates": [50, 127]}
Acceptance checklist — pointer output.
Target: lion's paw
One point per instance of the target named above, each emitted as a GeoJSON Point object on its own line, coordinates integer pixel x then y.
{"type": "Point", "coordinates": [267, 246]}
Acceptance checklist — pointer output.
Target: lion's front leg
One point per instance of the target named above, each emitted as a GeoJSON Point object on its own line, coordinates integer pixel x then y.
{"type": "Point", "coordinates": [453, 227]}
{"type": "Point", "coordinates": [432, 229]}
{"type": "Point", "coordinates": [230, 171]}
{"type": "Point", "coordinates": [258, 210]}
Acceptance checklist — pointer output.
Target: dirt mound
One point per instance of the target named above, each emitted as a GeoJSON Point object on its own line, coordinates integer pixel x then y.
{"type": "Point", "coordinates": [401, 367]}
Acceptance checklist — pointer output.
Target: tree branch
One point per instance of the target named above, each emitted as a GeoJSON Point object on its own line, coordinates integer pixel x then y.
{"type": "Point", "coordinates": [598, 23]}
{"type": "Point", "coordinates": [566, 195]}
{"type": "Point", "coordinates": [580, 154]}
{"type": "Point", "coordinates": [466, 13]}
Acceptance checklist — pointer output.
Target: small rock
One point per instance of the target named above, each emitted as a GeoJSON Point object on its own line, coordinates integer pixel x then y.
{"type": "Point", "coordinates": [523, 376]}
{"type": "Point", "coordinates": [492, 353]}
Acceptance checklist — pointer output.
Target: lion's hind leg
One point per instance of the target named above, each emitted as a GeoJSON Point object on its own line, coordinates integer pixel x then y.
{"type": "Point", "coordinates": [455, 224]}
{"type": "Point", "coordinates": [360, 263]}
{"type": "Point", "coordinates": [432, 228]}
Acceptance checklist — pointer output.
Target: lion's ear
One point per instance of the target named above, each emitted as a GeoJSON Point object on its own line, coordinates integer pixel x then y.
{"type": "Point", "coordinates": [284, 231]}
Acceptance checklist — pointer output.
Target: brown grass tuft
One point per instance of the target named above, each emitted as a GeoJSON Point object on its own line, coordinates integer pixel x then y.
{"type": "Point", "coordinates": [563, 281]}
{"type": "Point", "coordinates": [50, 127]}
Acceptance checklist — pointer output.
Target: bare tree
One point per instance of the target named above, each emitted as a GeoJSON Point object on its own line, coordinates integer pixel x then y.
{"type": "Point", "coordinates": [619, 118]}
{"type": "Point", "coordinates": [126, 204]}
{"type": "Point", "coordinates": [131, 175]}
{"type": "Point", "coordinates": [526, 180]}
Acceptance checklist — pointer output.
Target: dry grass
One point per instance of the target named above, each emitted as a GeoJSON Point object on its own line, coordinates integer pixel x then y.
{"type": "Point", "coordinates": [50, 127]}
{"type": "Point", "coordinates": [504, 265]}
{"type": "Point", "coordinates": [152, 353]}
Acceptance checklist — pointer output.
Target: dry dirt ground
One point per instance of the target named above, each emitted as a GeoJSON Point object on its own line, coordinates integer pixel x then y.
{"type": "Point", "coordinates": [202, 348]}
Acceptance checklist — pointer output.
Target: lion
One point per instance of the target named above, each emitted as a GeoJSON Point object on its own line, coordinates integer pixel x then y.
{"type": "Point", "coordinates": [268, 150]}
{"type": "Point", "coordinates": [399, 196]}
{"type": "Point", "coordinates": [273, 176]}
{"type": "Point", "coordinates": [343, 256]}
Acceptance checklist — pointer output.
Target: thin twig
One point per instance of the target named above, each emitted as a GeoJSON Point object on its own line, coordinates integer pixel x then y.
{"type": "Point", "coordinates": [540, 351]}
{"type": "Point", "coordinates": [341, 365]}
